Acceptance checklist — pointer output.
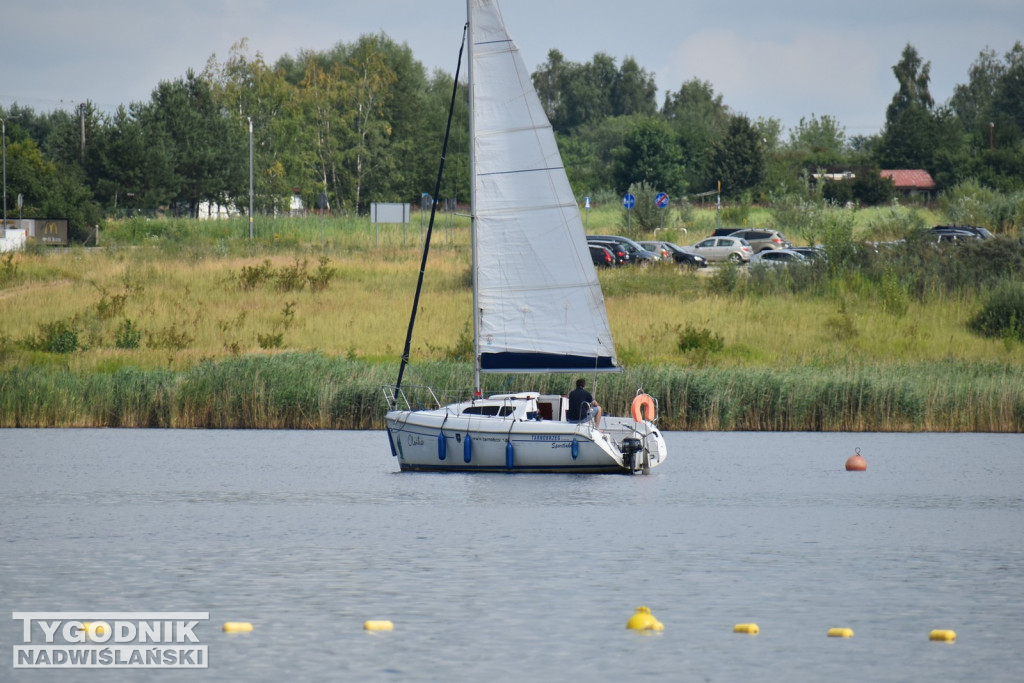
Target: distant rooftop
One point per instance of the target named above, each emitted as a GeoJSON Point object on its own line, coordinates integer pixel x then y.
{"type": "Point", "coordinates": [910, 179]}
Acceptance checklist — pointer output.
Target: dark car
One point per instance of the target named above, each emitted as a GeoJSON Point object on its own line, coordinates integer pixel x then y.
{"type": "Point", "coordinates": [637, 254]}
{"type": "Point", "coordinates": [760, 239]}
{"type": "Point", "coordinates": [952, 236]}
{"type": "Point", "coordinates": [952, 233]}
{"type": "Point", "coordinates": [669, 250]}
{"type": "Point", "coordinates": [602, 256]}
{"type": "Point", "coordinates": [723, 232]}
{"type": "Point", "coordinates": [618, 251]}
{"type": "Point", "coordinates": [811, 253]}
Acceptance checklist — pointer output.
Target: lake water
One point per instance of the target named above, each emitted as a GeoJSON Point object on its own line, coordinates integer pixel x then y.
{"type": "Point", "coordinates": [529, 577]}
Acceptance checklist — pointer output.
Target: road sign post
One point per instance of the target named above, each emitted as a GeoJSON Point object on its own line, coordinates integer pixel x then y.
{"type": "Point", "coordinates": [661, 201]}
{"type": "Point", "coordinates": [628, 201]}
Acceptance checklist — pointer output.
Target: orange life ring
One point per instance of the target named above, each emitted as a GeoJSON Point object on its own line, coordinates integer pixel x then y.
{"type": "Point", "coordinates": [639, 403]}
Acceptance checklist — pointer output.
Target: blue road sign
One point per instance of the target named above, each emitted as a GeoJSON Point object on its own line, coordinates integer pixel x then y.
{"type": "Point", "coordinates": [661, 199]}
{"type": "Point", "coordinates": [629, 201]}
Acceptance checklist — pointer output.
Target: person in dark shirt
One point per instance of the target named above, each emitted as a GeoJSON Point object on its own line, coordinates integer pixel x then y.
{"type": "Point", "coordinates": [582, 406]}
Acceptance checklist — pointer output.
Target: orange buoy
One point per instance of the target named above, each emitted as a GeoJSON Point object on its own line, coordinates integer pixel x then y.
{"type": "Point", "coordinates": [643, 402]}
{"type": "Point", "coordinates": [855, 463]}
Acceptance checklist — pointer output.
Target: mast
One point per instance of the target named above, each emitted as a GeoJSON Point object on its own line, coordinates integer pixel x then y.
{"type": "Point", "coordinates": [430, 227]}
{"type": "Point", "coordinates": [472, 197]}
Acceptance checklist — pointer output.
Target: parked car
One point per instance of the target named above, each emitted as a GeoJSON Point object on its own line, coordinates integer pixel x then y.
{"type": "Point", "coordinates": [657, 248]}
{"type": "Point", "coordinates": [763, 238]}
{"type": "Point", "coordinates": [722, 232]}
{"type": "Point", "coordinates": [602, 256]}
{"type": "Point", "coordinates": [775, 258]}
{"type": "Point", "coordinates": [637, 254]}
{"type": "Point", "coordinates": [617, 250]}
{"type": "Point", "coordinates": [951, 236]}
{"type": "Point", "coordinates": [735, 249]}
{"type": "Point", "coordinates": [673, 252]}
{"type": "Point", "coordinates": [979, 233]}
{"type": "Point", "coordinates": [811, 253]}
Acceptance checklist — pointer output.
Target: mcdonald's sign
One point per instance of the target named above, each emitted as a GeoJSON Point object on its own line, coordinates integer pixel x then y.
{"type": "Point", "coordinates": [47, 230]}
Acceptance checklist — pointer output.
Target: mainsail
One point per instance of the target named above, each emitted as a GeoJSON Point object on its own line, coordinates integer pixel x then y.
{"type": "Point", "coordinates": [538, 303]}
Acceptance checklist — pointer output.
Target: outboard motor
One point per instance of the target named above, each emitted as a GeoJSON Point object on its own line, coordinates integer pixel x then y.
{"type": "Point", "coordinates": [629, 448]}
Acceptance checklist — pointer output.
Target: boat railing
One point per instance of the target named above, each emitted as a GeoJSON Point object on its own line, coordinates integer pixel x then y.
{"type": "Point", "coordinates": [411, 397]}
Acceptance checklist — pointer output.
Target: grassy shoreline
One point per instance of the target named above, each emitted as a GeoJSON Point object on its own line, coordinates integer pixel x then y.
{"type": "Point", "coordinates": [187, 324]}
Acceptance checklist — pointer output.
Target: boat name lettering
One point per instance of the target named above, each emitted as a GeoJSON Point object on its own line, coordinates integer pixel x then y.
{"type": "Point", "coordinates": [546, 437]}
{"type": "Point", "coordinates": [414, 440]}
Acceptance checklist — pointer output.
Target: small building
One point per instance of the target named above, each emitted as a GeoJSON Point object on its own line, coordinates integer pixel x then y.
{"type": "Point", "coordinates": [12, 239]}
{"type": "Point", "coordinates": [911, 181]}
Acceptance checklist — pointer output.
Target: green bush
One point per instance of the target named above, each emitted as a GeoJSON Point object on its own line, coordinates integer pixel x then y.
{"type": "Point", "coordinates": [292, 278]}
{"type": "Point", "coordinates": [838, 191]}
{"type": "Point", "coordinates": [270, 340]}
{"type": "Point", "coordinates": [171, 338]}
{"type": "Point", "coordinates": [1002, 315]}
{"type": "Point", "coordinates": [60, 336]}
{"type": "Point", "coordinates": [725, 280]}
{"type": "Point", "coordinates": [895, 299]}
{"type": "Point", "coordinates": [251, 276]}
{"type": "Point", "coordinates": [8, 268]}
{"type": "Point", "coordinates": [700, 339]}
{"type": "Point", "coordinates": [128, 336]}
{"type": "Point", "coordinates": [322, 276]}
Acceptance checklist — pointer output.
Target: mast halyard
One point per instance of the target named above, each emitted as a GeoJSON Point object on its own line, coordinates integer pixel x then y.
{"type": "Point", "coordinates": [472, 200]}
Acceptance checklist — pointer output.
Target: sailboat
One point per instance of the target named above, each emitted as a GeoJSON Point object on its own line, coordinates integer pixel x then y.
{"type": "Point", "coordinates": [538, 305]}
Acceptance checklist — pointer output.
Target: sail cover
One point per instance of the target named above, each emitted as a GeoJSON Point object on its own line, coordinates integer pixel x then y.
{"type": "Point", "coordinates": [539, 302]}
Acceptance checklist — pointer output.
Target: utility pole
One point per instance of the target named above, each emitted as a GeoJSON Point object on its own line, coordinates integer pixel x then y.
{"type": "Point", "coordinates": [3, 142]}
{"type": "Point", "coordinates": [250, 178]}
{"type": "Point", "coordinates": [81, 110]}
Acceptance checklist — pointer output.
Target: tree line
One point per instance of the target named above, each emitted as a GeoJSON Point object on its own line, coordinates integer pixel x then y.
{"type": "Point", "coordinates": [363, 122]}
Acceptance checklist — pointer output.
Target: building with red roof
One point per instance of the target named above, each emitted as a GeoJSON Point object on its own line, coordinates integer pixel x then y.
{"type": "Point", "coordinates": [911, 181]}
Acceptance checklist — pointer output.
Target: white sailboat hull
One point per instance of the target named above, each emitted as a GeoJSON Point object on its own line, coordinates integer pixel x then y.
{"type": "Point", "coordinates": [449, 440]}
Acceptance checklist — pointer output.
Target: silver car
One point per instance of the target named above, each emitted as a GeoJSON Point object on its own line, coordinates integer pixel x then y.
{"type": "Point", "coordinates": [778, 257]}
{"type": "Point", "coordinates": [763, 238]}
{"type": "Point", "coordinates": [735, 249]}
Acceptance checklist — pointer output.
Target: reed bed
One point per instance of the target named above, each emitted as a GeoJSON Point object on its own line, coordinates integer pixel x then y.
{"type": "Point", "coordinates": [315, 391]}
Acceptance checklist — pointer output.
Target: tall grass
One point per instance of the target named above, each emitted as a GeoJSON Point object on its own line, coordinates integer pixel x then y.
{"type": "Point", "coordinates": [313, 391]}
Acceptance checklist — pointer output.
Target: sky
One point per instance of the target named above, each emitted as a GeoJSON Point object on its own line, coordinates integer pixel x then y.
{"type": "Point", "coordinates": [785, 59]}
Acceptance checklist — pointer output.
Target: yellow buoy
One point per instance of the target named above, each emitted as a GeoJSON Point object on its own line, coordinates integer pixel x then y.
{"type": "Point", "coordinates": [943, 635]}
{"type": "Point", "coordinates": [378, 625]}
{"type": "Point", "coordinates": [840, 633]}
{"type": "Point", "coordinates": [752, 629]}
{"type": "Point", "coordinates": [100, 628]}
{"type": "Point", "coordinates": [643, 620]}
{"type": "Point", "coordinates": [237, 627]}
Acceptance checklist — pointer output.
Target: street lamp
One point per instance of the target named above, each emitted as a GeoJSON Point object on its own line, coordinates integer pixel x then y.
{"type": "Point", "coordinates": [250, 177]}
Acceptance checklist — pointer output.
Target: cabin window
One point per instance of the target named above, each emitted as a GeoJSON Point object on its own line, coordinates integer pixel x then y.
{"type": "Point", "coordinates": [489, 411]}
